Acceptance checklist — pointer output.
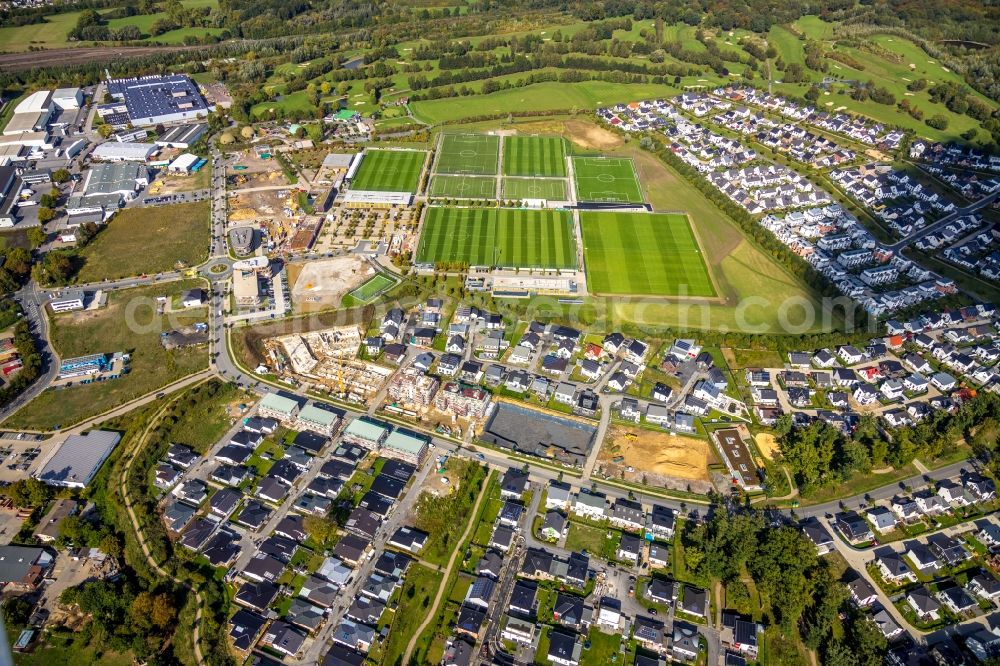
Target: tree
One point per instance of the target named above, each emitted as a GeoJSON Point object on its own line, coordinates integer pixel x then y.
{"type": "Point", "coordinates": [937, 121]}
{"type": "Point", "coordinates": [28, 493]}
{"type": "Point", "coordinates": [320, 529]}
{"type": "Point", "coordinates": [16, 611]}
{"type": "Point", "coordinates": [36, 236]}
{"type": "Point", "coordinates": [60, 176]}
{"type": "Point", "coordinates": [18, 261]}
{"type": "Point", "coordinates": [45, 214]}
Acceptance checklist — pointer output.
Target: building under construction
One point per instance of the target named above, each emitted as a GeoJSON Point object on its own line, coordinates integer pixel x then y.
{"type": "Point", "coordinates": [327, 358]}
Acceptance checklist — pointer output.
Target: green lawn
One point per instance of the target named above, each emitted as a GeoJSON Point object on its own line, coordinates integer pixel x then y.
{"type": "Point", "coordinates": [504, 237]}
{"type": "Point", "coordinates": [468, 154]}
{"type": "Point", "coordinates": [534, 156]}
{"type": "Point", "coordinates": [128, 323]}
{"type": "Point", "coordinates": [606, 179]}
{"type": "Point", "coordinates": [539, 97]}
{"type": "Point", "coordinates": [643, 253]}
{"type": "Point", "coordinates": [148, 240]}
{"type": "Point", "coordinates": [418, 592]}
{"type": "Point", "coordinates": [603, 647]}
{"type": "Point", "coordinates": [464, 187]}
{"type": "Point", "coordinates": [390, 171]}
{"type": "Point", "coordinates": [592, 539]}
{"type": "Point", "coordinates": [552, 189]}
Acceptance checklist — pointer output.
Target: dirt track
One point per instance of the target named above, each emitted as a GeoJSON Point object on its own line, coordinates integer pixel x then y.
{"type": "Point", "coordinates": [12, 62]}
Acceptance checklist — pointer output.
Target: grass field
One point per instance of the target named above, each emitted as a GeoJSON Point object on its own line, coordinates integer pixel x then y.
{"type": "Point", "coordinates": [534, 156]}
{"type": "Point", "coordinates": [390, 171]}
{"type": "Point", "coordinates": [643, 254]}
{"type": "Point", "coordinates": [371, 289]}
{"type": "Point", "coordinates": [504, 237]}
{"type": "Point", "coordinates": [466, 187]}
{"type": "Point", "coordinates": [553, 189]}
{"type": "Point", "coordinates": [539, 97]}
{"type": "Point", "coordinates": [128, 323]}
{"type": "Point", "coordinates": [468, 154]}
{"type": "Point", "coordinates": [124, 249]}
{"type": "Point", "coordinates": [608, 179]}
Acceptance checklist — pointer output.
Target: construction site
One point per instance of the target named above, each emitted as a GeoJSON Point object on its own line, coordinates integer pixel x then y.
{"type": "Point", "coordinates": [278, 213]}
{"type": "Point", "coordinates": [327, 359]}
{"type": "Point", "coordinates": [656, 458]}
{"type": "Point", "coordinates": [320, 285]}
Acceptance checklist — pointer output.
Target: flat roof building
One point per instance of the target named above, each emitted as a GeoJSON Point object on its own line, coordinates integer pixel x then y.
{"type": "Point", "coordinates": [115, 178]}
{"type": "Point", "coordinates": [152, 100]}
{"type": "Point", "coordinates": [123, 151]}
{"type": "Point", "coordinates": [68, 98]}
{"type": "Point", "coordinates": [407, 446]}
{"type": "Point", "coordinates": [182, 136]}
{"type": "Point", "coordinates": [246, 288]}
{"type": "Point", "coordinates": [278, 406]}
{"type": "Point", "coordinates": [77, 460]}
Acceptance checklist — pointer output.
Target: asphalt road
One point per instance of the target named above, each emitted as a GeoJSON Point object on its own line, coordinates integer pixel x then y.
{"type": "Point", "coordinates": [944, 221]}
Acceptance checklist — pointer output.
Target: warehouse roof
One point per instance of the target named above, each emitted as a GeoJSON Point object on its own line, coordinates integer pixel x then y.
{"type": "Point", "coordinates": [76, 462]}
{"type": "Point", "coordinates": [152, 96]}
{"type": "Point", "coordinates": [40, 100]}
{"type": "Point", "coordinates": [112, 178]}
{"type": "Point", "coordinates": [123, 150]}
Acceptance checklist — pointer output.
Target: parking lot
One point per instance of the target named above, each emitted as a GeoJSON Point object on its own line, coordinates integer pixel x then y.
{"type": "Point", "coordinates": [19, 458]}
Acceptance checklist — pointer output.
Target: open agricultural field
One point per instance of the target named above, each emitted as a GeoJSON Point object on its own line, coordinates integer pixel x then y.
{"type": "Point", "coordinates": [465, 187]}
{"type": "Point", "coordinates": [390, 171]}
{"type": "Point", "coordinates": [124, 249]}
{"type": "Point", "coordinates": [497, 237]}
{"type": "Point", "coordinates": [54, 30]}
{"type": "Point", "coordinates": [553, 189]}
{"type": "Point", "coordinates": [643, 254]}
{"type": "Point", "coordinates": [606, 179]}
{"type": "Point", "coordinates": [468, 154]}
{"type": "Point", "coordinates": [537, 156]}
{"type": "Point", "coordinates": [131, 323]}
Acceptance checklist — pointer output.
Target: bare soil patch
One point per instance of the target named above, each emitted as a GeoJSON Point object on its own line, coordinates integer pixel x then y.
{"type": "Point", "coordinates": [321, 284]}
{"type": "Point", "coordinates": [655, 458]}
{"type": "Point", "coordinates": [767, 444]}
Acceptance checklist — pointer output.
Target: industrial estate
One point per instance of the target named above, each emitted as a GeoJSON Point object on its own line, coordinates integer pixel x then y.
{"type": "Point", "coordinates": [398, 334]}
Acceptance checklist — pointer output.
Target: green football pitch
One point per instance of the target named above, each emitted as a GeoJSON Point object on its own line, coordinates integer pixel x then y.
{"type": "Point", "coordinates": [389, 171]}
{"type": "Point", "coordinates": [606, 179]}
{"type": "Point", "coordinates": [512, 238]}
{"type": "Point", "coordinates": [553, 189]}
{"type": "Point", "coordinates": [534, 156]}
{"type": "Point", "coordinates": [643, 254]}
{"type": "Point", "coordinates": [372, 288]}
{"type": "Point", "coordinates": [468, 154]}
{"type": "Point", "coordinates": [468, 187]}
